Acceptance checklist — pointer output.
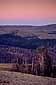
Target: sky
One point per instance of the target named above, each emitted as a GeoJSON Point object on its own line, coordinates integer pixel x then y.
{"type": "Point", "coordinates": [33, 12]}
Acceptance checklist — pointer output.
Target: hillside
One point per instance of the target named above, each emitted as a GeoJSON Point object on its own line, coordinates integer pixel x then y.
{"type": "Point", "coordinates": [42, 32]}
{"type": "Point", "coordinates": [14, 78]}
{"type": "Point", "coordinates": [12, 45]}
{"type": "Point", "coordinates": [25, 42]}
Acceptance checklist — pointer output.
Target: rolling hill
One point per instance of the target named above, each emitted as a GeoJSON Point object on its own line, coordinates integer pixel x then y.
{"type": "Point", "coordinates": [42, 32]}
{"type": "Point", "coordinates": [25, 42]}
{"type": "Point", "coordinates": [14, 78]}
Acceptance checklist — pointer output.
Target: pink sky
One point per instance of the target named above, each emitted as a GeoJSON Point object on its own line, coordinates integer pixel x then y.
{"type": "Point", "coordinates": [27, 9]}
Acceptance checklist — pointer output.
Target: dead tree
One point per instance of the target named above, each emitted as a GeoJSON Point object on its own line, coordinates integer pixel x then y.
{"type": "Point", "coordinates": [47, 64]}
{"type": "Point", "coordinates": [19, 61]}
{"type": "Point", "coordinates": [42, 62]}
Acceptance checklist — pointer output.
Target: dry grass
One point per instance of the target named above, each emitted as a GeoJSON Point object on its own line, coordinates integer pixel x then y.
{"type": "Point", "coordinates": [6, 66]}
{"type": "Point", "coordinates": [15, 78]}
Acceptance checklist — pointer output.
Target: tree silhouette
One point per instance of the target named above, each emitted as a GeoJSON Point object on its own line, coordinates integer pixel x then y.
{"type": "Point", "coordinates": [43, 62]}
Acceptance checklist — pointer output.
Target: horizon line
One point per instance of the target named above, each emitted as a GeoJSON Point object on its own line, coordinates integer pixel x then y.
{"type": "Point", "coordinates": [25, 24]}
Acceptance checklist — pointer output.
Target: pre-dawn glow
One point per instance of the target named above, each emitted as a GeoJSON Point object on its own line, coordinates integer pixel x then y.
{"type": "Point", "coordinates": [27, 9]}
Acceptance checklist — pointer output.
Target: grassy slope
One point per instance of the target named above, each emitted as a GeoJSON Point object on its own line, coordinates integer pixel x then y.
{"type": "Point", "coordinates": [14, 78]}
{"type": "Point", "coordinates": [6, 66]}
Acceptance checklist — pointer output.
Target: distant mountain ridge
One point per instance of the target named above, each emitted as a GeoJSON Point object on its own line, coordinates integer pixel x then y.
{"type": "Point", "coordinates": [50, 26]}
